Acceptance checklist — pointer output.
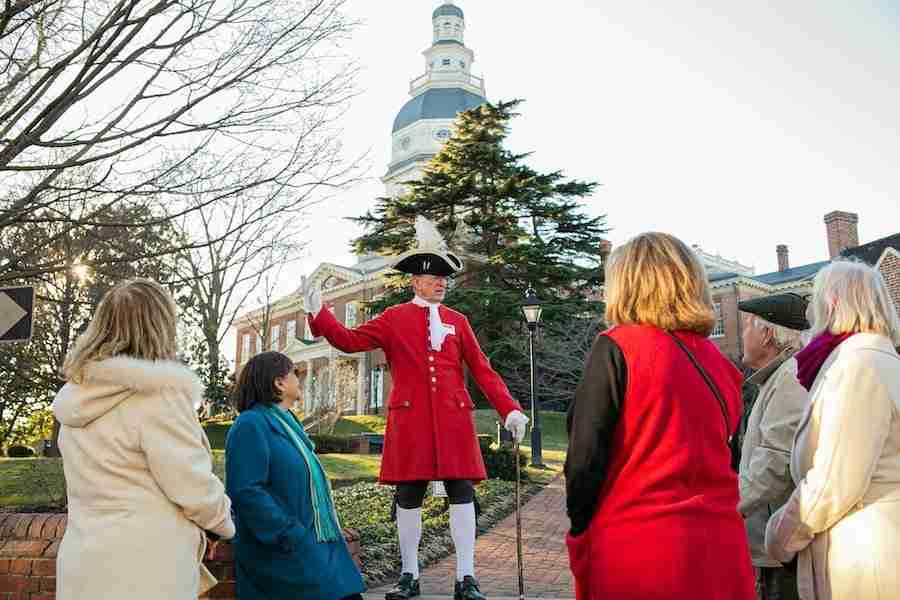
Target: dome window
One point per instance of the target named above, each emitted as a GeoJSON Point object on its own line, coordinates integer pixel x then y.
{"type": "Point", "coordinates": [446, 62]}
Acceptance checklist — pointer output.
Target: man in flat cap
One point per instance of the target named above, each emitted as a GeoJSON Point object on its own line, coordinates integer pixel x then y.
{"type": "Point", "coordinates": [770, 338]}
{"type": "Point", "coordinates": [430, 431]}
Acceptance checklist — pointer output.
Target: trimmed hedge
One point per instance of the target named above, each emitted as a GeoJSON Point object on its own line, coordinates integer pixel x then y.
{"type": "Point", "coordinates": [19, 452]}
{"type": "Point", "coordinates": [331, 444]}
{"type": "Point", "coordinates": [500, 463]}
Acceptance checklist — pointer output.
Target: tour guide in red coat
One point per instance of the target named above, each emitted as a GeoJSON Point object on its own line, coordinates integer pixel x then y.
{"type": "Point", "coordinates": [430, 431]}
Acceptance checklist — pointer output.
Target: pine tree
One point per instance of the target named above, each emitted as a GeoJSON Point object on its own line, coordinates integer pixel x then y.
{"type": "Point", "coordinates": [514, 227]}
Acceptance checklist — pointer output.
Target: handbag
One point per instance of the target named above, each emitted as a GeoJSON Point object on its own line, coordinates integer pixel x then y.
{"type": "Point", "coordinates": [712, 387]}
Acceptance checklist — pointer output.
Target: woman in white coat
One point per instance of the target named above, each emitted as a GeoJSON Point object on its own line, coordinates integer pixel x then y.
{"type": "Point", "coordinates": [141, 491]}
{"type": "Point", "coordinates": [843, 518]}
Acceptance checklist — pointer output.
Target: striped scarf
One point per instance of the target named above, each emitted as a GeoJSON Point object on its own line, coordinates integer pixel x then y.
{"type": "Point", "coordinates": [327, 526]}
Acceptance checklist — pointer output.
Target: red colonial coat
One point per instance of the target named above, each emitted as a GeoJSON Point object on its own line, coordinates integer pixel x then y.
{"type": "Point", "coordinates": [430, 426]}
{"type": "Point", "coordinates": [666, 524]}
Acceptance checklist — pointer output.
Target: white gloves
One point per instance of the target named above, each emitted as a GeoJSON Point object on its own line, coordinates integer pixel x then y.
{"type": "Point", "coordinates": [515, 424]}
{"type": "Point", "coordinates": [312, 298]}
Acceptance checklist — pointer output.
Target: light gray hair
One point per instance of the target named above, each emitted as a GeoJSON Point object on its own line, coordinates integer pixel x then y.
{"type": "Point", "coordinates": [782, 337]}
{"type": "Point", "coordinates": [849, 297]}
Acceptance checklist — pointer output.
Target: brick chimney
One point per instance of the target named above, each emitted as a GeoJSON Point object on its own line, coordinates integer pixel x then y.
{"type": "Point", "coordinates": [842, 232]}
{"type": "Point", "coordinates": [783, 262]}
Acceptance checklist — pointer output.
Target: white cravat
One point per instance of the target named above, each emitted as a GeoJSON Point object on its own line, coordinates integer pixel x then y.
{"type": "Point", "coordinates": [436, 328]}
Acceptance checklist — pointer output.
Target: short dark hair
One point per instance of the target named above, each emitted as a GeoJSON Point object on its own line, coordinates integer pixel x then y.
{"type": "Point", "coordinates": [256, 383]}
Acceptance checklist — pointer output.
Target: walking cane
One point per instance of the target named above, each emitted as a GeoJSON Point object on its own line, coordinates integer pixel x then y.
{"type": "Point", "coordinates": [521, 565]}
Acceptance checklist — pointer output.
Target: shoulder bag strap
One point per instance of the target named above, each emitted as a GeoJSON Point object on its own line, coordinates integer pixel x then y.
{"type": "Point", "coordinates": [709, 382]}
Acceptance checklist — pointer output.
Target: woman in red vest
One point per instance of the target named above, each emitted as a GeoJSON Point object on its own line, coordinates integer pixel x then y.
{"type": "Point", "coordinates": [649, 488]}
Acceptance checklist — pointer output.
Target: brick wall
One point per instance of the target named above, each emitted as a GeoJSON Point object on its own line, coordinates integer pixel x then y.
{"type": "Point", "coordinates": [28, 547]}
{"type": "Point", "coordinates": [29, 544]}
{"type": "Point", "coordinates": [281, 322]}
{"type": "Point", "coordinates": [890, 270]}
{"type": "Point", "coordinates": [730, 343]}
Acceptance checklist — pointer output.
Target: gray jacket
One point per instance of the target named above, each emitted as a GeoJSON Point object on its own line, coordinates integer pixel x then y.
{"type": "Point", "coordinates": [765, 478]}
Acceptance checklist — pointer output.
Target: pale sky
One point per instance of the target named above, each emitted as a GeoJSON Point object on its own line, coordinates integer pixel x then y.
{"type": "Point", "coordinates": [734, 125]}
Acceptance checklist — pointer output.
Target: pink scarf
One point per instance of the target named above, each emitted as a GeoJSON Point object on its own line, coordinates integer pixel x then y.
{"type": "Point", "coordinates": [817, 351]}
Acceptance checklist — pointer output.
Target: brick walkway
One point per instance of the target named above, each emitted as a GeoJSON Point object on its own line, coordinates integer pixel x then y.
{"type": "Point", "coordinates": [547, 573]}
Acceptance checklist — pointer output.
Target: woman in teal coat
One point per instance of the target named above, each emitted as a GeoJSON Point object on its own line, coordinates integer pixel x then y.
{"type": "Point", "coordinates": [289, 543]}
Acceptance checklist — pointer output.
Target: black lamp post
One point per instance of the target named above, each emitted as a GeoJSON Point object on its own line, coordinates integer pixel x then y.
{"type": "Point", "coordinates": [531, 310]}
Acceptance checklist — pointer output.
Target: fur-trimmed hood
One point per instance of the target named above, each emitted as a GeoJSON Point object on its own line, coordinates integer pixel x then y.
{"type": "Point", "coordinates": [109, 382]}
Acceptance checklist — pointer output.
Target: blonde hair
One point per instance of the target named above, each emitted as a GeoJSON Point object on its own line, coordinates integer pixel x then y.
{"type": "Point", "coordinates": [136, 318]}
{"type": "Point", "coordinates": [850, 296]}
{"type": "Point", "coordinates": [655, 279]}
{"type": "Point", "coordinates": [782, 337]}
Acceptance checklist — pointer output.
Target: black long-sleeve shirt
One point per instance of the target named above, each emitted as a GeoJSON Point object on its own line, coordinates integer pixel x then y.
{"type": "Point", "coordinates": [592, 419]}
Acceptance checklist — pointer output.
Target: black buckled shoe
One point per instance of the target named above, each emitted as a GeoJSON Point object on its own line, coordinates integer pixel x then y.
{"type": "Point", "coordinates": [405, 589]}
{"type": "Point", "coordinates": [467, 589]}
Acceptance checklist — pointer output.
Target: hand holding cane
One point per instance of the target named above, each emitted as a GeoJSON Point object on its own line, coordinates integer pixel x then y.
{"type": "Point", "coordinates": [516, 423]}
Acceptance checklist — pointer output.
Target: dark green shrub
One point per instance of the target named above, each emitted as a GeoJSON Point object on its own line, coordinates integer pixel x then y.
{"type": "Point", "coordinates": [331, 444]}
{"type": "Point", "coordinates": [484, 441]}
{"type": "Point", "coordinates": [501, 463]}
{"type": "Point", "coordinates": [19, 452]}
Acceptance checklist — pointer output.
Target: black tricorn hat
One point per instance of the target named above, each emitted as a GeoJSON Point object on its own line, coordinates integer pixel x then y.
{"type": "Point", "coordinates": [786, 309]}
{"type": "Point", "coordinates": [430, 256]}
{"type": "Point", "coordinates": [429, 263]}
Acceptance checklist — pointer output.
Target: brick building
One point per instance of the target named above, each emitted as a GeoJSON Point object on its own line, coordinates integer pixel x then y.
{"type": "Point", "coordinates": [358, 382]}
{"type": "Point", "coordinates": [842, 239]}
{"type": "Point", "coordinates": [361, 382]}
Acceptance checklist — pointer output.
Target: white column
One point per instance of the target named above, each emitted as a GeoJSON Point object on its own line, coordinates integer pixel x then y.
{"type": "Point", "coordinates": [361, 384]}
{"type": "Point", "coordinates": [307, 389]}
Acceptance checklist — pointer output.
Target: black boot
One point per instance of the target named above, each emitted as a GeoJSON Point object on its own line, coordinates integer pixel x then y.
{"type": "Point", "coordinates": [406, 588]}
{"type": "Point", "coordinates": [467, 589]}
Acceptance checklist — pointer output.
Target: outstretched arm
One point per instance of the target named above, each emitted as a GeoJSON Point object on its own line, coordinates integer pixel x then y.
{"type": "Point", "coordinates": [367, 336]}
{"type": "Point", "coordinates": [487, 378]}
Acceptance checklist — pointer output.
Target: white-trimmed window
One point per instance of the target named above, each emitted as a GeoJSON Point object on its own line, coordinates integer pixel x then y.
{"type": "Point", "coordinates": [245, 346]}
{"type": "Point", "coordinates": [350, 314]}
{"type": "Point", "coordinates": [275, 337]}
{"type": "Point", "coordinates": [719, 329]}
{"type": "Point", "coordinates": [291, 330]}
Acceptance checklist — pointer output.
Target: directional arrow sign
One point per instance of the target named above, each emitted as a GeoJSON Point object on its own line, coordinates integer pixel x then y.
{"type": "Point", "coordinates": [16, 313]}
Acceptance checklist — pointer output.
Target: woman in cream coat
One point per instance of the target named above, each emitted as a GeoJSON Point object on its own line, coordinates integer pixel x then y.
{"type": "Point", "coordinates": [139, 479]}
{"type": "Point", "coordinates": [844, 516]}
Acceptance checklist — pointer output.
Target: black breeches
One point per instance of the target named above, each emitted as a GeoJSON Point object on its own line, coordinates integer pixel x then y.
{"type": "Point", "coordinates": [411, 494]}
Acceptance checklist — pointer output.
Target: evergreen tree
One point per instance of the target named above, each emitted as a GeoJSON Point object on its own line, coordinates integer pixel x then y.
{"type": "Point", "coordinates": [515, 228]}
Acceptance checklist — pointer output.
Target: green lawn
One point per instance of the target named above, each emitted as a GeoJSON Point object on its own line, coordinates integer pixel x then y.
{"type": "Point", "coordinates": [31, 482]}
{"type": "Point", "coordinates": [553, 428]}
{"type": "Point", "coordinates": [39, 481]}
